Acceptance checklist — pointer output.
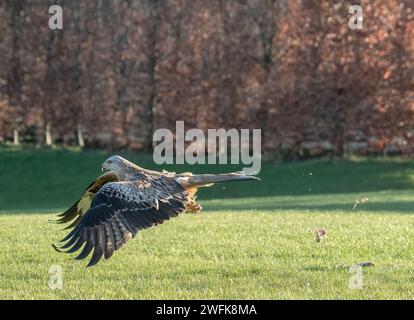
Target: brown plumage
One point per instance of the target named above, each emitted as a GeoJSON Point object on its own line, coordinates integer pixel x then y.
{"type": "Point", "coordinates": [126, 199]}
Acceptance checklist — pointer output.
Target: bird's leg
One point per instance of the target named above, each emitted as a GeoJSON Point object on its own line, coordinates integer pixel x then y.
{"type": "Point", "coordinates": [193, 207]}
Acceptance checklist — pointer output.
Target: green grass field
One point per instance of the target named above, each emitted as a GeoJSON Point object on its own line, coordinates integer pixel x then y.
{"type": "Point", "coordinates": [251, 241]}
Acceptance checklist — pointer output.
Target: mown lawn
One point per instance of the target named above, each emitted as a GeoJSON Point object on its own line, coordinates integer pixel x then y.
{"type": "Point", "coordinates": [251, 241]}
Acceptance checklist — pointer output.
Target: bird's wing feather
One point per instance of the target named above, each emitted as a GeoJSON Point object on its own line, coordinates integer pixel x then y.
{"type": "Point", "coordinates": [119, 210]}
{"type": "Point", "coordinates": [78, 209]}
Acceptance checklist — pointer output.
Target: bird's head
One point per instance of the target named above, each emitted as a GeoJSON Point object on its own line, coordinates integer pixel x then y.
{"type": "Point", "coordinates": [115, 163]}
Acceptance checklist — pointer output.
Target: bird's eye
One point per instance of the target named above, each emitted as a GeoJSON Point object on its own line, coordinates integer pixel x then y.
{"type": "Point", "coordinates": [109, 161]}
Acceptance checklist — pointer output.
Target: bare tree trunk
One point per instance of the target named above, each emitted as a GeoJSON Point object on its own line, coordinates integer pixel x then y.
{"type": "Point", "coordinates": [48, 135]}
{"type": "Point", "coordinates": [16, 140]}
{"type": "Point", "coordinates": [152, 62]}
{"type": "Point", "coordinates": [79, 134]}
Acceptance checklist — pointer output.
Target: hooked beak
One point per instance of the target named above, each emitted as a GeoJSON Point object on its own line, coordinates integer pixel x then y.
{"type": "Point", "coordinates": [103, 168]}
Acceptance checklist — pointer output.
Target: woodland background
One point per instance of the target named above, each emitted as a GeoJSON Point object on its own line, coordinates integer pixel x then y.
{"type": "Point", "coordinates": [121, 69]}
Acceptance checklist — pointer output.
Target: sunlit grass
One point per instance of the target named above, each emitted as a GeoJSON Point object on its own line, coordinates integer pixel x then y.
{"type": "Point", "coordinates": [247, 254]}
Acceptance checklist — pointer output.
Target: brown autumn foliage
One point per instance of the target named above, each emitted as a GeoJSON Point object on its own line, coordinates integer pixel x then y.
{"type": "Point", "coordinates": [121, 69]}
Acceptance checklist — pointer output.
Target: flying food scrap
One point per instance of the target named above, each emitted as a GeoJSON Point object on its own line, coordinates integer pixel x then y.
{"type": "Point", "coordinates": [367, 264]}
{"type": "Point", "coordinates": [320, 234]}
{"type": "Point", "coordinates": [359, 201]}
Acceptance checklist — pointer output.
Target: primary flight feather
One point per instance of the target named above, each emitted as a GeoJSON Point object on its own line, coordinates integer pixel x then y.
{"type": "Point", "coordinates": [126, 199]}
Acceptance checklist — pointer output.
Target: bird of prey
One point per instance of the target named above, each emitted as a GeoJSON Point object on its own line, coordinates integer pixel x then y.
{"type": "Point", "coordinates": [127, 198]}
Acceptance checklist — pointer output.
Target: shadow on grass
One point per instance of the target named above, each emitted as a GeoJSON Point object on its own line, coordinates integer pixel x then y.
{"type": "Point", "coordinates": [320, 178]}
{"type": "Point", "coordinates": [406, 207]}
{"type": "Point", "coordinates": [380, 207]}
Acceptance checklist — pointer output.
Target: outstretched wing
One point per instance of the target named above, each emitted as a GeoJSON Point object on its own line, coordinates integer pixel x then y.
{"type": "Point", "coordinates": [119, 210]}
{"type": "Point", "coordinates": [77, 210]}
